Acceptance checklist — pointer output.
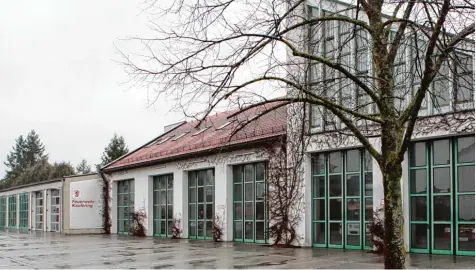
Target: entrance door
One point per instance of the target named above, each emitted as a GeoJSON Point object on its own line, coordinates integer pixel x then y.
{"type": "Point", "coordinates": [39, 210]}
{"type": "Point", "coordinates": [125, 206]}
{"type": "Point", "coordinates": [249, 201]}
{"type": "Point", "coordinates": [163, 205]}
{"type": "Point", "coordinates": [12, 212]}
{"type": "Point", "coordinates": [23, 213]}
{"type": "Point", "coordinates": [342, 199]}
{"type": "Point", "coordinates": [55, 210]}
{"type": "Point", "coordinates": [442, 196]}
{"type": "Point", "coordinates": [201, 203]}
{"type": "Point", "coordinates": [353, 193]}
{"type": "Point", "coordinates": [334, 201]}
{"type": "Point", "coordinates": [3, 212]}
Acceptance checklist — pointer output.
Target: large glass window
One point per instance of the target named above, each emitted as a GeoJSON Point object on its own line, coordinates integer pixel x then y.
{"type": "Point", "coordinates": [441, 179]}
{"type": "Point", "coordinates": [3, 212]}
{"type": "Point", "coordinates": [163, 205]}
{"type": "Point", "coordinates": [23, 212]}
{"type": "Point", "coordinates": [342, 199]}
{"type": "Point", "coordinates": [125, 206]}
{"type": "Point", "coordinates": [201, 206]}
{"type": "Point", "coordinates": [249, 203]}
{"type": "Point", "coordinates": [12, 211]}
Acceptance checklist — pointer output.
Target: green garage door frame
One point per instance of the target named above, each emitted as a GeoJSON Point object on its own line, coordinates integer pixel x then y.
{"type": "Point", "coordinates": [12, 212]}
{"type": "Point", "coordinates": [249, 196]}
{"type": "Point", "coordinates": [434, 176]}
{"type": "Point", "coordinates": [201, 203]}
{"type": "Point", "coordinates": [23, 211]}
{"type": "Point", "coordinates": [3, 212]}
{"type": "Point", "coordinates": [163, 205]}
{"type": "Point", "coordinates": [350, 173]}
{"type": "Point", "coordinates": [125, 206]}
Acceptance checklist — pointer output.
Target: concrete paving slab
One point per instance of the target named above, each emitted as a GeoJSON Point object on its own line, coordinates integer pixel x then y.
{"type": "Point", "coordinates": [53, 250]}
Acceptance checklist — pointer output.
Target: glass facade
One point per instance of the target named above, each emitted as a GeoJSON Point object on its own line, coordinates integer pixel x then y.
{"type": "Point", "coordinates": [342, 199]}
{"type": "Point", "coordinates": [163, 205]}
{"type": "Point", "coordinates": [201, 206]}
{"type": "Point", "coordinates": [348, 45]}
{"type": "Point", "coordinates": [441, 186]}
{"type": "Point", "coordinates": [125, 206]}
{"type": "Point", "coordinates": [23, 211]}
{"type": "Point", "coordinates": [3, 212]}
{"type": "Point", "coordinates": [250, 203]}
{"type": "Point", "coordinates": [12, 212]}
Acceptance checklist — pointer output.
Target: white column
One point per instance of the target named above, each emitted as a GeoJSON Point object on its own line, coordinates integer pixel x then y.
{"type": "Point", "coordinates": [305, 227]}
{"type": "Point", "coordinates": [150, 206]}
{"type": "Point", "coordinates": [141, 198]}
{"type": "Point", "coordinates": [405, 203]}
{"type": "Point", "coordinates": [221, 205]}
{"type": "Point", "coordinates": [181, 200]}
{"type": "Point", "coordinates": [43, 192]}
{"type": "Point", "coordinates": [48, 210]}
{"type": "Point", "coordinates": [228, 215]}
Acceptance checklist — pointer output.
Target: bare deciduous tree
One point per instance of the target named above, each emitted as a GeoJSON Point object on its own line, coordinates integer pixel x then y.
{"type": "Point", "coordinates": [364, 70]}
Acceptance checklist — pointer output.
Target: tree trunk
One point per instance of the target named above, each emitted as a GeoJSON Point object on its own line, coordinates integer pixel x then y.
{"type": "Point", "coordinates": [394, 250]}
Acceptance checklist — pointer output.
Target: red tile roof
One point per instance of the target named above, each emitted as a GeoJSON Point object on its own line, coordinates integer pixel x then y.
{"type": "Point", "coordinates": [184, 140]}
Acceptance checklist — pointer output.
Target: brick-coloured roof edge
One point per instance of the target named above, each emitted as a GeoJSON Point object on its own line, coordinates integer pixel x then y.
{"type": "Point", "coordinates": [264, 126]}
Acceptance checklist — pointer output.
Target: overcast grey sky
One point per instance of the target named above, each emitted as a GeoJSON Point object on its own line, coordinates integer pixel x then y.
{"type": "Point", "coordinates": [57, 77]}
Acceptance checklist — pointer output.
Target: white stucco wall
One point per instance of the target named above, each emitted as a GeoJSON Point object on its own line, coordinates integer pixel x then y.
{"type": "Point", "coordinates": [221, 163]}
{"type": "Point", "coordinates": [30, 189]}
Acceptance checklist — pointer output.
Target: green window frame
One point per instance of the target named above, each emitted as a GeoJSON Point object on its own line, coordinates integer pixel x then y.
{"type": "Point", "coordinates": [23, 211]}
{"type": "Point", "coordinates": [163, 205]}
{"type": "Point", "coordinates": [434, 191]}
{"type": "Point", "coordinates": [125, 206]}
{"type": "Point", "coordinates": [3, 212]}
{"type": "Point", "coordinates": [250, 216]}
{"type": "Point", "coordinates": [201, 206]}
{"type": "Point", "coordinates": [341, 180]}
{"type": "Point", "coordinates": [12, 212]}
{"type": "Point", "coordinates": [464, 193]}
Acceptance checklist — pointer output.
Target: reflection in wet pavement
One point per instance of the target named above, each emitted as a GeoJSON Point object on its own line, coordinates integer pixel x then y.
{"type": "Point", "coordinates": [52, 250]}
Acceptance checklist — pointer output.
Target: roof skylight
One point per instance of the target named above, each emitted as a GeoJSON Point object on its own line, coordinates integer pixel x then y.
{"type": "Point", "coordinates": [165, 139]}
{"type": "Point", "coordinates": [185, 133]}
{"type": "Point", "coordinates": [200, 131]}
{"type": "Point", "coordinates": [224, 125]}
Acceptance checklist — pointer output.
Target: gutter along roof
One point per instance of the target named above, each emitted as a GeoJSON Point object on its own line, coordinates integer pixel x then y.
{"type": "Point", "coordinates": [214, 133]}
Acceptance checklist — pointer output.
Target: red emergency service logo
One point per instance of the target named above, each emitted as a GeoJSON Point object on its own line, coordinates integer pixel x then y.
{"type": "Point", "coordinates": [76, 193]}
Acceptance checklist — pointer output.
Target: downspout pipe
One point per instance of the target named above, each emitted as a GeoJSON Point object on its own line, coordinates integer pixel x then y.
{"type": "Point", "coordinates": [63, 199]}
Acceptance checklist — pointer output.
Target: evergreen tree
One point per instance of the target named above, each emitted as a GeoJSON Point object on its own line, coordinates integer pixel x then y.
{"type": "Point", "coordinates": [15, 160]}
{"type": "Point", "coordinates": [116, 148]}
{"type": "Point", "coordinates": [83, 167]}
{"type": "Point", "coordinates": [26, 153]}
{"type": "Point", "coordinates": [34, 149]}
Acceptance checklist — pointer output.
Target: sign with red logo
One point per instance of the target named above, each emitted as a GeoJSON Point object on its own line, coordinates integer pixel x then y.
{"type": "Point", "coordinates": [76, 193]}
{"type": "Point", "coordinates": [85, 206]}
